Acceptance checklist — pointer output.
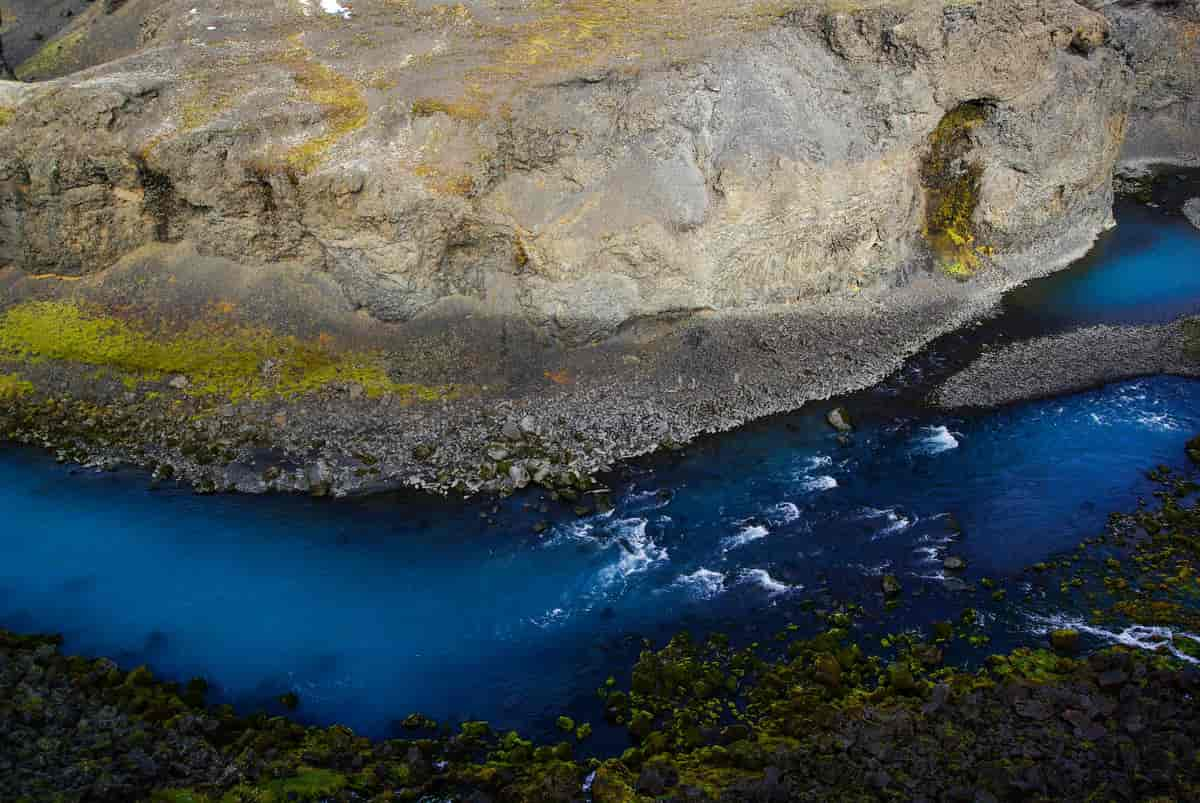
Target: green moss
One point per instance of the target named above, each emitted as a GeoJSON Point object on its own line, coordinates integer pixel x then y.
{"type": "Point", "coordinates": [309, 784]}
{"type": "Point", "coordinates": [218, 360]}
{"type": "Point", "coordinates": [342, 103]}
{"type": "Point", "coordinates": [52, 58]}
{"type": "Point", "coordinates": [952, 192]}
{"type": "Point", "coordinates": [6, 115]}
{"type": "Point", "coordinates": [13, 386]}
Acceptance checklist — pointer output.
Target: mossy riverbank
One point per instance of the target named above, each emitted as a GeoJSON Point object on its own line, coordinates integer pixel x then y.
{"type": "Point", "coordinates": [832, 717]}
{"type": "Point", "coordinates": [214, 358]}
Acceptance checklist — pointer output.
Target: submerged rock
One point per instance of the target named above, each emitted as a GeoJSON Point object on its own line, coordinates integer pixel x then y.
{"type": "Point", "coordinates": [891, 585]}
{"type": "Point", "coordinates": [953, 563]}
{"type": "Point", "coordinates": [839, 419]}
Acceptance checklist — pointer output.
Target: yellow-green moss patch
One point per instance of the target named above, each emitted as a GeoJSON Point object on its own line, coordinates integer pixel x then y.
{"type": "Point", "coordinates": [12, 386]}
{"type": "Point", "coordinates": [952, 191]}
{"type": "Point", "coordinates": [234, 362]}
{"type": "Point", "coordinates": [51, 58]}
{"type": "Point", "coordinates": [6, 115]}
{"type": "Point", "coordinates": [342, 103]}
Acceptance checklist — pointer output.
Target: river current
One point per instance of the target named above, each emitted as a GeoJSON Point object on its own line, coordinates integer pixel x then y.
{"type": "Point", "coordinates": [373, 608]}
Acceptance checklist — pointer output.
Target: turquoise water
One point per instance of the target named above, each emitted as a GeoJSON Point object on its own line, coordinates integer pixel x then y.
{"type": "Point", "coordinates": [374, 608]}
{"type": "Point", "coordinates": [1144, 271]}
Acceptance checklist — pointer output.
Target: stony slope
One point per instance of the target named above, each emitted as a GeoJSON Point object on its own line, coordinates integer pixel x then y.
{"type": "Point", "coordinates": [630, 222]}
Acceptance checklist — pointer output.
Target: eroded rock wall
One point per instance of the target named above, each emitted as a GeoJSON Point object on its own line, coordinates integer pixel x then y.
{"type": "Point", "coordinates": [779, 161]}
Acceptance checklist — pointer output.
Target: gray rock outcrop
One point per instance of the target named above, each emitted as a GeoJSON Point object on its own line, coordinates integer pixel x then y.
{"type": "Point", "coordinates": [6, 72]}
{"type": "Point", "coordinates": [1191, 210]}
{"type": "Point", "coordinates": [1161, 43]}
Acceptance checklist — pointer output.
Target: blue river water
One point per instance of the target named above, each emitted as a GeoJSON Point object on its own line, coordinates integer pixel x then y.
{"type": "Point", "coordinates": [373, 608]}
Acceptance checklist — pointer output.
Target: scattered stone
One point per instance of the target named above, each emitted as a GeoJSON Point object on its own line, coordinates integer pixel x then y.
{"type": "Point", "coordinates": [512, 431]}
{"type": "Point", "coordinates": [1065, 640]}
{"type": "Point", "coordinates": [519, 475]}
{"type": "Point", "coordinates": [891, 585]}
{"type": "Point", "coordinates": [179, 382]}
{"type": "Point", "coordinates": [1113, 677]}
{"type": "Point", "coordinates": [827, 671]}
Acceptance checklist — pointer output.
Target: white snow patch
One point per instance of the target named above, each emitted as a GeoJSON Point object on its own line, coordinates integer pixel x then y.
{"type": "Point", "coordinates": [336, 8]}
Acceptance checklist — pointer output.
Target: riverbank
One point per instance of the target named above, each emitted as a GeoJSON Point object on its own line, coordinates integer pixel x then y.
{"type": "Point", "coordinates": [795, 719]}
{"type": "Point", "coordinates": [1073, 361]}
{"type": "Point", "coordinates": [354, 430]}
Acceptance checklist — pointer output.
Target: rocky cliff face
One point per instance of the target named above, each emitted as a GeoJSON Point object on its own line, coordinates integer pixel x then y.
{"type": "Point", "coordinates": [429, 161]}
{"type": "Point", "coordinates": [1160, 39]}
{"type": "Point", "coordinates": [673, 214]}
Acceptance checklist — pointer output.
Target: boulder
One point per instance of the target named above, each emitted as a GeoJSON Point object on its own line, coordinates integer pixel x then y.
{"type": "Point", "coordinates": [1065, 640]}
{"type": "Point", "coordinates": [1191, 211]}
{"type": "Point", "coordinates": [839, 419]}
{"type": "Point", "coordinates": [953, 563]}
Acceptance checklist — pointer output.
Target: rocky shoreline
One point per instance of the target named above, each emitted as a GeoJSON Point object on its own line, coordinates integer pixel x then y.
{"type": "Point", "coordinates": [623, 399]}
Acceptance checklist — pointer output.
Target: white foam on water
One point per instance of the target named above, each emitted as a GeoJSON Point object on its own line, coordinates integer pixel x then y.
{"type": "Point", "coordinates": [896, 522]}
{"type": "Point", "coordinates": [702, 583]}
{"type": "Point", "coordinates": [1140, 637]}
{"type": "Point", "coordinates": [929, 554]}
{"type": "Point", "coordinates": [550, 618]}
{"type": "Point", "coordinates": [1159, 422]}
{"type": "Point", "coordinates": [940, 439]}
{"type": "Point", "coordinates": [638, 551]}
{"type": "Point", "coordinates": [642, 501]}
{"type": "Point", "coordinates": [746, 535]}
{"type": "Point", "coordinates": [336, 8]}
{"type": "Point", "coordinates": [572, 532]}
{"type": "Point", "coordinates": [821, 483]}
{"type": "Point", "coordinates": [763, 579]}
{"type": "Point", "coordinates": [877, 570]}
{"type": "Point", "coordinates": [785, 512]}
